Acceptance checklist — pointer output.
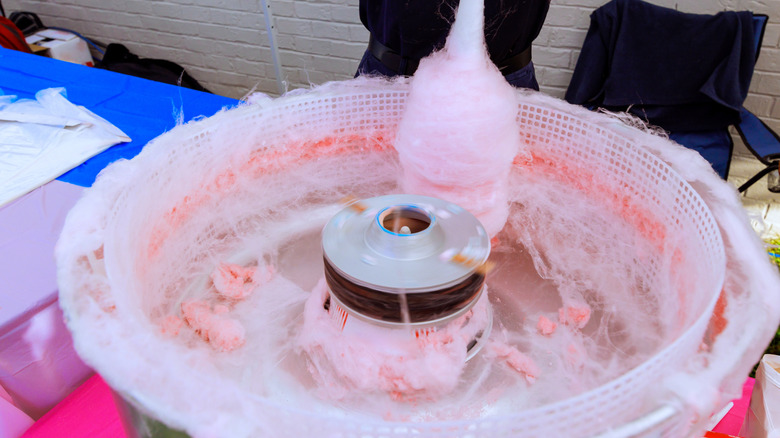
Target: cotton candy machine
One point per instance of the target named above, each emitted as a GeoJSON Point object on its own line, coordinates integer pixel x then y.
{"type": "Point", "coordinates": [219, 284]}
{"type": "Point", "coordinates": [133, 252]}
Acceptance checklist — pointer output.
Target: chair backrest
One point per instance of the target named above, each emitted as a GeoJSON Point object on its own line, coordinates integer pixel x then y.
{"type": "Point", "coordinates": [652, 61]}
{"type": "Point", "coordinates": [759, 138]}
{"type": "Point", "coordinates": [677, 70]}
{"type": "Point", "coordinates": [759, 27]}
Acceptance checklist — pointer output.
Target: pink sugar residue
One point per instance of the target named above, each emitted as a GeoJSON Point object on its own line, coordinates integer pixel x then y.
{"type": "Point", "coordinates": [234, 282]}
{"type": "Point", "coordinates": [260, 162]}
{"type": "Point", "coordinates": [171, 325]}
{"type": "Point", "coordinates": [197, 314]}
{"type": "Point", "coordinates": [210, 317]}
{"type": "Point", "coordinates": [546, 326]}
{"type": "Point", "coordinates": [514, 359]}
{"type": "Point", "coordinates": [220, 331]}
{"type": "Point", "coordinates": [576, 355]}
{"type": "Point", "coordinates": [577, 317]}
{"type": "Point", "coordinates": [617, 198]}
{"type": "Point", "coordinates": [227, 334]}
{"type": "Point", "coordinates": [221, 309]}
{"type": "Point", "coordinates": [361, 358]}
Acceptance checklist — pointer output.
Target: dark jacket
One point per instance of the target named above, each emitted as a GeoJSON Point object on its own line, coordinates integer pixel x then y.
{"type": "Point", "coordinates": [678, 71]}
{"type": "Point", "coordinates": [414, 28]}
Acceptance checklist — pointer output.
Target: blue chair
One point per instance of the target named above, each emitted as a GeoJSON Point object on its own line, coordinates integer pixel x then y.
{"type": "Point", "coordinates": [763, 142]}
{"type": "Point", "coordinates": [705, 60]}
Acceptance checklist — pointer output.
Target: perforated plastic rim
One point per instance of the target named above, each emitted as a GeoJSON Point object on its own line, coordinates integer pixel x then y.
{"type": "Point", "coordinates": [582, 398]}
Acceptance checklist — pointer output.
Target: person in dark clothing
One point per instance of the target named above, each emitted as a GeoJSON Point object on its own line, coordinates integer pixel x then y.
{"type": "Point", "coordinates": [405, 31]}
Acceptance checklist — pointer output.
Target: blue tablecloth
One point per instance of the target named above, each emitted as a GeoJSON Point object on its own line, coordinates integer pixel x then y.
{"type": "Point", "coordinates": [38, 371]}
{"type": "Point", "coordinates": [143, 109]}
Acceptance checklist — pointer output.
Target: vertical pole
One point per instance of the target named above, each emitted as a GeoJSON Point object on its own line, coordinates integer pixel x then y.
{"type": "Point", "coordinates": [271, 30]}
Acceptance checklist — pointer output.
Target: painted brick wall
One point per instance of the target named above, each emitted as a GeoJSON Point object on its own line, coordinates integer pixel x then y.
{"type": "Point", "coordinates": [223, 43]}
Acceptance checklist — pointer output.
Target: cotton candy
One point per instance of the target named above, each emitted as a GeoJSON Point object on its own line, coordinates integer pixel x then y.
{"type": "Point", "coordinates": [458, 136]}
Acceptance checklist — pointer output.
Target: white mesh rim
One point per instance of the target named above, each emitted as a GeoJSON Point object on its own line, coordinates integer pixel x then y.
{"type": "Point", "coordinates": [532, 416]}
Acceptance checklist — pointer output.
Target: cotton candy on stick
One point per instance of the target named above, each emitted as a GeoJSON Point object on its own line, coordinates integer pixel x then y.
{"type": "Point", "coordinates": [458, 136]}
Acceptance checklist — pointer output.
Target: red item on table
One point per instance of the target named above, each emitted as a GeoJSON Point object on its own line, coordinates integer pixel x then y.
{"type": "Point", "coordinates": [89, 411]}
{"type": "Point", "coordinates": [732, 421]}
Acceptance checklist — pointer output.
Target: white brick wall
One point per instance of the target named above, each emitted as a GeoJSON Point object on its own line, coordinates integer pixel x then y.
{"type": "Point", "coordinates": [223, 43]}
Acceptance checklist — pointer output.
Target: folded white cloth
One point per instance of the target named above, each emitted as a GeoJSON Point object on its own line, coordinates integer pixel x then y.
{"type": "Point", "coordinates": [42, 139]}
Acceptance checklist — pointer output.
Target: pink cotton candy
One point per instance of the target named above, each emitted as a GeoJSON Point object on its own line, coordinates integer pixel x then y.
{"type": "Point", "coordinates": [232, 281]}
{"type": "Point", "coordinates": [546, 326]}
{"type": "Point", "coordinates": [210, 318]}
{"type": "Point", "coordinates": [576, 355]}
{"type": "Point", "coordinates": [577, 317]}
{"type": "Point", "coordinates": [459, 135]}
{"type": "Point", "coordinates": [221, 332]}
{"type": "Point", "coordinates": [226, 334]}
{"type": "Point", "coordinates": [197, 314]}
{"type": "Point", "coordinates": [171, 325]}
{"type": "Point", "coordinates": [515, 359]}
{"type": "Point", "coordinates": [221, 309]}
{"type": "Point", "coordinates": [406, 366]}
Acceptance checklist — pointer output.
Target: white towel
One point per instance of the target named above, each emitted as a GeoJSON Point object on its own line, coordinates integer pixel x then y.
{"type": "Point", "coordinates": [42, 139]}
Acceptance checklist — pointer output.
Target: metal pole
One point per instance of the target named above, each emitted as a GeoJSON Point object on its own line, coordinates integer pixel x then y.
{"type": "Point", "coordinates": [270, 28]}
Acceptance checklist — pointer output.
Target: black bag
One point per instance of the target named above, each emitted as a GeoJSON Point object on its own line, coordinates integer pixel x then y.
{"type": "Point", "coordinates": [27, 22]}
{"type": "Point", "coordinates": [119, 59]}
